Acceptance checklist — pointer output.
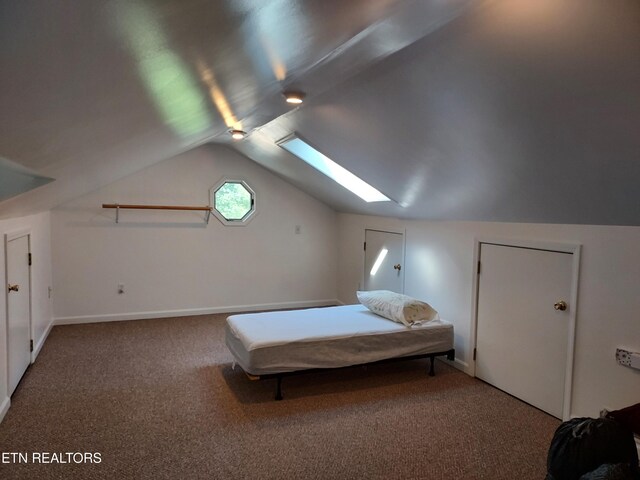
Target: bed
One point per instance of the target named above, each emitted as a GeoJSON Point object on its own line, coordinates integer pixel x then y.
{"type": "Point", "coordinates": [276, 344]}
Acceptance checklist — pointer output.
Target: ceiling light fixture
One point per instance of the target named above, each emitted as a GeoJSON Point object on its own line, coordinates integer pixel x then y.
{"type": "Point", "coordinates": [295, 98]}
{"type": "Point", "coordinates": [237, 134]}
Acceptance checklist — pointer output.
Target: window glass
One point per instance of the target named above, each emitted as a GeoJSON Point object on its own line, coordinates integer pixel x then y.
{"type": "Point", "coordinates": [233, 201]}
{"type": "Point", "coordinates": [331, 169]}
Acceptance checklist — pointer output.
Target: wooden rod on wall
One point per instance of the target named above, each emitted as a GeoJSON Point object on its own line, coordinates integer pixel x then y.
{"type": "Point", "coordinates": [155, 207]}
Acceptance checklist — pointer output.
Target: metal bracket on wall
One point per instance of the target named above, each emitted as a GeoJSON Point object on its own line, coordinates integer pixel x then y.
{"type": "Point", "coordinates": [118, 206]}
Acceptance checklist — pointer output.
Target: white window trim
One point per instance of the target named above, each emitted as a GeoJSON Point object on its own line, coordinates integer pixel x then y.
{"type": "Point", "coordinates": [233, 223]}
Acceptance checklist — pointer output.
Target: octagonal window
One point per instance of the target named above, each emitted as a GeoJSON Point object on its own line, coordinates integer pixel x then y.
{"type": "Point", "coordinates": [233, 202]}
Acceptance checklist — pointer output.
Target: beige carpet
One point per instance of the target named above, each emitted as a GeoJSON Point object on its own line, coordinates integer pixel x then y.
{"type": "Point", "coordinates": [159, 399]}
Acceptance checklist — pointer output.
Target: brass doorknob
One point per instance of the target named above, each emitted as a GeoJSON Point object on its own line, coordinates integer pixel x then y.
{"type": "Point", "coordinates": [397, 267]}
{"type": "Point", "coordinates": [561, 305]}
{"type": "Point", "coordinates": [14, 288]}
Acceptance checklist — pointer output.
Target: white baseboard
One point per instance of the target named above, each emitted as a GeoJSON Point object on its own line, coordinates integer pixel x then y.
{"type": "Point", "coordinates": [40, 343]}
{"type": "Point", "coordinates": [4, 408]}
{"type": "Point", "coordinates": [458, 364]}
{"type": "Point", "coordinates": [116, 317]}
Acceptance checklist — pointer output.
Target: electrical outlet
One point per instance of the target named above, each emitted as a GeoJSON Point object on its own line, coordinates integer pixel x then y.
{"type": "Point", "coordinates": [628, 358]}
{"type": "Point", "coordinates": [298, 229]}
{"type": "Point", "coordinates": [120, 288]}
{"type": "Point", "coordinates": [50, 290]}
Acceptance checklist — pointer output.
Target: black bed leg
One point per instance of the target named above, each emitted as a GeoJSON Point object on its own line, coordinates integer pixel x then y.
{"type": "Point", "coordinates": [432, 371]}
{"type": "Point", "coordinates": [451, 355]}
{"type": "Point", "coordinates": [279, 387]}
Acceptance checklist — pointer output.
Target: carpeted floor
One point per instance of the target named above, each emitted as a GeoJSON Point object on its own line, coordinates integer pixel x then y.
{"type": "Point", "coordinates": [159, 399]}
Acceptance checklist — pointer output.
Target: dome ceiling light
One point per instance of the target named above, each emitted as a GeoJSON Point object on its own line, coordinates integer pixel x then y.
{"type": "Point", "coordinates": [237, 134]}
{"type": "Point", "coordinates": [295, 98]}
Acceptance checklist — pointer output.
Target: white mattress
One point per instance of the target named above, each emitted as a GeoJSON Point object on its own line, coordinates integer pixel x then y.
{"type": "Point", "coordinates": [332, 337]}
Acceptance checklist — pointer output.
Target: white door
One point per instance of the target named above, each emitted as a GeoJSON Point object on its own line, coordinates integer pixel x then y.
{"type": "Point", "coordinates": [383, 258]}
{"type": "Point", "coordinates": [522, 329]}
{"type": "Point", "coordinates": [18, 309]}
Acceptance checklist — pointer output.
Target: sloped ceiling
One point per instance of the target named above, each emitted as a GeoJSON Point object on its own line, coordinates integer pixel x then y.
{"type": "Point", "coordinates": [16, 179]}
{"type": "Point", "coordinates": [504, 110]}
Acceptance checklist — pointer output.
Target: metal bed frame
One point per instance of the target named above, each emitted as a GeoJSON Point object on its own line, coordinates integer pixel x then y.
{"type": "Point", "coordinates": [450, 354]}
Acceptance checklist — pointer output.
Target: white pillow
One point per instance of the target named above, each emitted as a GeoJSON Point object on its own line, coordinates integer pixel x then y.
{"type": "Point", "coordinates": [397, 307]}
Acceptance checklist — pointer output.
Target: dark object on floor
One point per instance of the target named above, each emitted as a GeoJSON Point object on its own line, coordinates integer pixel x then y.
{"type": "Point", "coordinates": [582, 445]}
{"type": "Point", "coordinates": [629, 416]}
{"type": "Point", "coordinates": [620, 471]}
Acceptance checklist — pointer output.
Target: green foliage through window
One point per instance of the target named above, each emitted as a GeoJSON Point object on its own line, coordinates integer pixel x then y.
{"type": "Point", "coordinates": [233, 201]}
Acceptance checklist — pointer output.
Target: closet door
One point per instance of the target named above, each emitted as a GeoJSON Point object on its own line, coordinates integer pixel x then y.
{"type": "Point", "coordinates": [523, 323]}
{"type": "Point", "coordinates": [383, 261]}
{"type": "Point", "coordinates": [18, 309]}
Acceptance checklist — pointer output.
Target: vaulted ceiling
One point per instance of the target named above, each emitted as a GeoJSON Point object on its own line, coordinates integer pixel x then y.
{"type": "Point", "coordinates": [501, 110]}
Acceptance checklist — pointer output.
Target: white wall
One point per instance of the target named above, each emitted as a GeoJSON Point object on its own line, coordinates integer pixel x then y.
{"type": "Point", "coordinates": [172, 264]}
{"type": "Point", "coordinates": [41, 305]}
{"type": "Point", "coordinates": [439, 268]}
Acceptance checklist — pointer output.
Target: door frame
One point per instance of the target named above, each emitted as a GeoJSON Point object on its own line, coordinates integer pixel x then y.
{"type": "Point", "coordinates": [402, 232]}
{"type": "Point", "coordinates": [25, 232]}
{"type": "Point", "coordinates": [571, 248]}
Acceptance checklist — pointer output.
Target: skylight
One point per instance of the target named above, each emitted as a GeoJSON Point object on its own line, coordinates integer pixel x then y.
{"type": "Point", "coordinates": [331, 169]}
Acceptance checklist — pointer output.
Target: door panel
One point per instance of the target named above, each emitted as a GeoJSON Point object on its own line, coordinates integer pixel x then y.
{"type": "Point", "coordinates": [383, 261]}
{"type": "Point", "coordinates": [522, 339]}
{"type": "Point", "coordinates": [18, 309]}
